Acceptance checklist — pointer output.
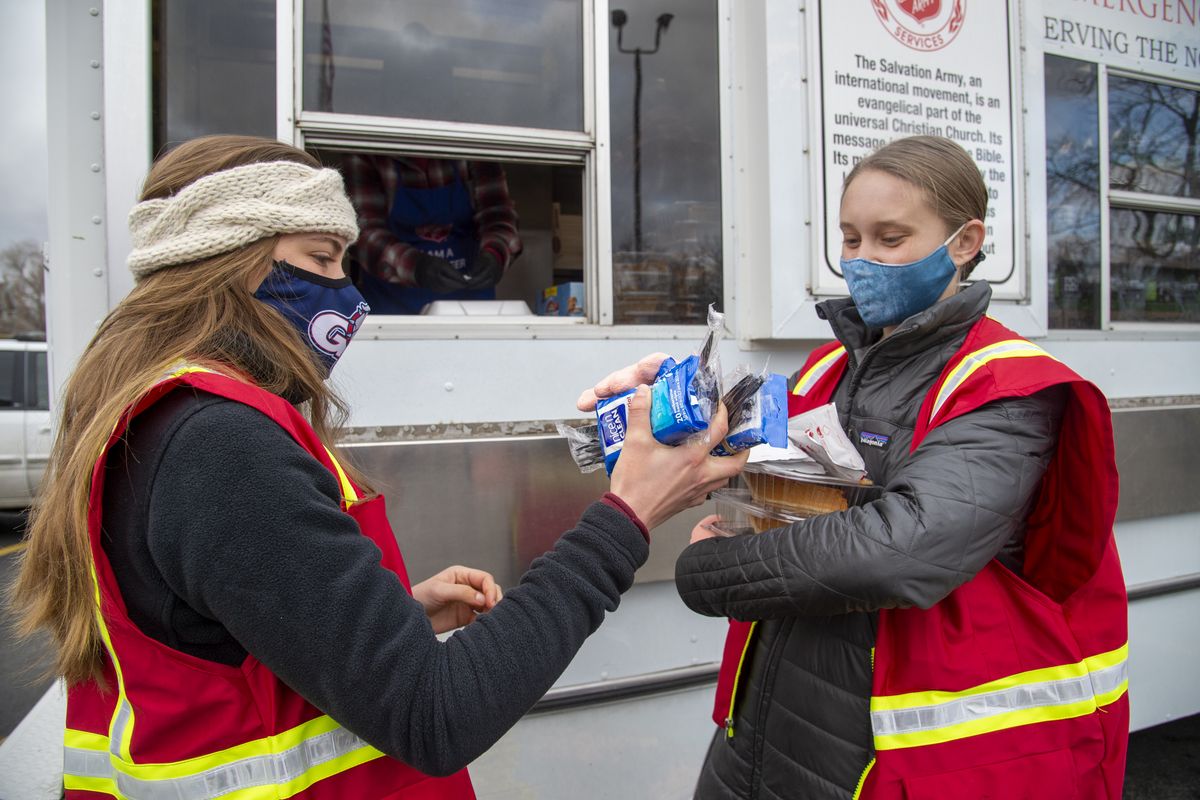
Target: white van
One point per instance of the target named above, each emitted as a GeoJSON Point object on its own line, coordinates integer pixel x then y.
{"type": "Point", "coordinates": [24, 420]}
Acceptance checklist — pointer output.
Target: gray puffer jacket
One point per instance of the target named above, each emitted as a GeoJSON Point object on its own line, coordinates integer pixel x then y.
{"type": "Point", "coordinates": [802, 727]}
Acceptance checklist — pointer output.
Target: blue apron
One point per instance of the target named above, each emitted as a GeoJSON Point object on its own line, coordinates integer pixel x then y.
{"type": "Point", "coordinates": [440, 222]}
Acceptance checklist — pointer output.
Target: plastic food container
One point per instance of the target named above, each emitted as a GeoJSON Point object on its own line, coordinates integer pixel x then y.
{"type": "Point", "coordinates": [739, 513]}
{"type": "Point", "coordinates": [808, 495]}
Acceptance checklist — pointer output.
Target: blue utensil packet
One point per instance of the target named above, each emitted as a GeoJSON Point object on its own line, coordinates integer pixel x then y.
{"type": "Point", "coordinates": [681, 401]}
{"type": "Point", "coordinates": [760, 418]}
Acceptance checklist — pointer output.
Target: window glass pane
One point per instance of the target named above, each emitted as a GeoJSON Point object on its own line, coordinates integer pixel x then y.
{"type": "Point", "coordinates": [1154, 137]}
{"type": "Point", "coordinates": [9, 383]}
{"type": "Point", "coordinates": [214, 68]}
{"type": "Point", "coordinates": [666, 178]}
{"type": "Point", "coordinates": [1155, 266]}
{"type": "Point", "coordinates": [23, 219]}
{"type": "Point", "coordinates": [1072, 193]}
{"type": "Point", "coordinates": [39, 382]}
{"type": "Point", "coordinates": [449, 229]}
{"type": "Point", "coordinates": [499, 62]}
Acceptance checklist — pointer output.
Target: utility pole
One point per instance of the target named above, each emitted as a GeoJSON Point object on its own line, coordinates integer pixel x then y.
{"type": "Point", "coordinates": [662, 22]}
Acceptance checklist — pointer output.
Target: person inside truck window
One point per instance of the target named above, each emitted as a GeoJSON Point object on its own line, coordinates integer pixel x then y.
{"type": "Point", "coordinates": [229, 603]}
{"type": "Point", "coordinates": [964, 635]}
{"type": "Point", "coordinates": [430, 229]}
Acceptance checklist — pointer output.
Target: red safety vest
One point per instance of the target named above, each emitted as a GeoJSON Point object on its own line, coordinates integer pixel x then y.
{"type": "Point", "coordinates": [1010, 686]}
{"type": "Point", "coordinates": [174, 726]}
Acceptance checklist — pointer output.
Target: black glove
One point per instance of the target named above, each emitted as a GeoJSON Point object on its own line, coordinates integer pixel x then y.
{"type": "Point", "coordinates": [438, 275]}
{"type": "Point", "coordinates": [487, 270]}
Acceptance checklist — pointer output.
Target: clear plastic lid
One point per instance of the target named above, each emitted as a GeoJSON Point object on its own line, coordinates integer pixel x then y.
{"type": "Point", "coordinates": [774, 503]}
{"type": "Point", "coordinates": [802, 471]}
{"type": "Point", "coordinates": [739, 513]}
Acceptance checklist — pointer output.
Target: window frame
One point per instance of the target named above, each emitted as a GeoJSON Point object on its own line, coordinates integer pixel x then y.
{"type": "Point", "coordinates": [588, 149]}
{"type": "Point", "coordinates": [1125, 200]}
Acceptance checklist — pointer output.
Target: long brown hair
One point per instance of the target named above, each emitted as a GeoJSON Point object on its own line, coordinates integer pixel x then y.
{"type": "Point", "coordinates": [199, 312]}
{"type": "Point", "coordinates": [940, 168]}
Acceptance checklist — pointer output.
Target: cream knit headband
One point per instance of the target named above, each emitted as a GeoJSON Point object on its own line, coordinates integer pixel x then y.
{"type": "Point", "coordinates": [234, 207]}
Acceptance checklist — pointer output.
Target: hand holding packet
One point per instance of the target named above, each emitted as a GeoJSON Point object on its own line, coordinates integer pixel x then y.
{"type": "Point", "coordinates": [683, 398]}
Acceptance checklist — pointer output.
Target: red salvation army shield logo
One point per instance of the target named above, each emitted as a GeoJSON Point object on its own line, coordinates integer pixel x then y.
{"type": "Point", "coordinates": [920, 10]}
{"type": "Point", "coordinates": [923, 25]}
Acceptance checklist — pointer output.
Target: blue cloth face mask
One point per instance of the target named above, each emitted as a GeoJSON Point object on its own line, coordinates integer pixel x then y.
{"type": "Point", "coordinates": [326, 311]}
{"type": "Point", "coordinates": [888, 294]}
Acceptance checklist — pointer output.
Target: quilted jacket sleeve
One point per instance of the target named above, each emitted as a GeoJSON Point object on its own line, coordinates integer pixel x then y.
{"type": "Point", "coordinates": [949, 509]}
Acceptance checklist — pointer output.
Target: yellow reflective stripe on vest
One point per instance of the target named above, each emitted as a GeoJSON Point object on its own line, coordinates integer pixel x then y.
{"type": "Point", "coordinates": [118, 745]}
{"type": "Point", "coordinates": [818, 369]}
{"type": "Point", "coordinates": [1009, 348]}
{"type": "Point", "coordinates": [86, 763]}
{"type": "Point", "coordinates": [276, 766]}
{"type": "Point", "coordinates": [1041, 695]}
{"type": "Point", "coordinates": [349, 494]}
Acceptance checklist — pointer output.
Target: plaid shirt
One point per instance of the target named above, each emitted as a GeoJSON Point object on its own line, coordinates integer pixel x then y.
{"type": "Point", "coordinates": [371, 182]}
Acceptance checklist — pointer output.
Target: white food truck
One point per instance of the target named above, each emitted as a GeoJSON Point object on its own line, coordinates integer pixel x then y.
{"type": "Point", "coordinates": [662, 155]}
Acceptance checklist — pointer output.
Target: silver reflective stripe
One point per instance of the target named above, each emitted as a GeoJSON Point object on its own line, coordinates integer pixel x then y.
{"type": "Point", "coordinates": [86, 763]}
{"type": "Point", "coordinates": [120, 722]}
{"type": "Point", "coordinates": [981, 706]}
{"type": "Point", "coordinates": [265, 770]}
{"type": "Point", "coordinates": [980, 357]}
{"type": "Point", "coordinates": [815, 374]}
{"type": "Point", "coordinates": [1109, 679]}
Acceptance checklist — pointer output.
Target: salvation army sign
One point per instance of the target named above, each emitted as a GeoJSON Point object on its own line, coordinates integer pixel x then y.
{"type": "Point", "coordinates": [895, 68]}
{"type": "Point", "coordinates": [1144, 36]}
{"type": "Point", "coordinates": [922, 24]}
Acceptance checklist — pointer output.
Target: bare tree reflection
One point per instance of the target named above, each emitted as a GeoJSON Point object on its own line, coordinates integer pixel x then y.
{"type": "Point", "coordinates": [1073, 193]}
{"type": "Point", "coordinates": [22, 289]}
{"type": "Point", "coordinates": [1154, 130]}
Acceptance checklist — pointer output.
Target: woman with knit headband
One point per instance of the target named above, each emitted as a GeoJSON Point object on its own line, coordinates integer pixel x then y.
{"type": "Point", "coordinates": [231, 610]}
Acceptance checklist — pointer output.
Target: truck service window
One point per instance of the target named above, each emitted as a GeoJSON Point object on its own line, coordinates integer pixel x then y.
{"type": "Point", "coordinates": [516, 64]}
{"type": "Point", "coordinates": [495, 88]}
{"type": "Point", "coordinates": [531, 215]}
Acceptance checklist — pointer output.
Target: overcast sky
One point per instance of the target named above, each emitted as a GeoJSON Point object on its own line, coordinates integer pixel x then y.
{"type": "Point", "coordinates": [23, 143]}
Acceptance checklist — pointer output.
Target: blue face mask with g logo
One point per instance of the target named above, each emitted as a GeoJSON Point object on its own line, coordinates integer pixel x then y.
{"type": "Point", "coordinates": [888, 294]}
{"type": "Point", "coordinates": [326, 311]}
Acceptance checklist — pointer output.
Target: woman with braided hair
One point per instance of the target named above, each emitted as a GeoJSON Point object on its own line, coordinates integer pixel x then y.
{"type": "Point", "coordinates": [230, 607]}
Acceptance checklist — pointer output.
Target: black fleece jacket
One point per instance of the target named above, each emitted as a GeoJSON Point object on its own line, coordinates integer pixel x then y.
{"type": "Point", "coordinates": [227, 539]}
